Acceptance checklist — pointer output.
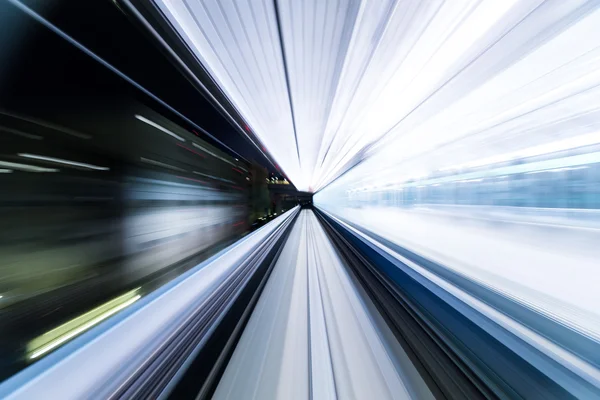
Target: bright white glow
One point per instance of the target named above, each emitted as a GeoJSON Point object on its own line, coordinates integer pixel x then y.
{"type": "Point", "coordinates": [5, 171]}
{"type": "Point", "coordinates": [159, 127]}
{"type": "Point", "coordinates": [65, 162]}
{"type": "Point", "coordinates": [26, 167]}
{"type": "Point", "coordinates": [238, 44]}
{"type": "Point", "coordinates": [547, 148]}
{"type": "Point", "coordinates": [403, 86]}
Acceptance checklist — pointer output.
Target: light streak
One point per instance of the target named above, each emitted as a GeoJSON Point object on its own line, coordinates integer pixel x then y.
{"type": "Point", "coordinates": [61, 334]}
{"type": "Point", "coordinates": [161, 164]}
{"type": "Point", "coordinates": [64, 162]}
{"type": "Point", "coordinates": [159, 127]}
{"type": "Point", "coordinates": [26, 167]}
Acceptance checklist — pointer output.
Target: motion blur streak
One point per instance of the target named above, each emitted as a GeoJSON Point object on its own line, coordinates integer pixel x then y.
{"type": "Point", "coordinates": [75, 327]}
{"type": "Point", "coordinates": [66, 162]}
{"type": "Point", "coordinates": [399, 80]}
{"type": "Point", "coordinates": [25, 167]}
{"type": "Point", "coordinates": [160, 128]}
{"type": "Point", "coordinates": [311, 325]}
{"type": "Point", "coordinates": [90, 207]}
{"type": "Point", "coordinates": [285, 199]}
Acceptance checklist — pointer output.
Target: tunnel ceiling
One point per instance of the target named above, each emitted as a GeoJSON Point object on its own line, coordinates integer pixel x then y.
{"type": "Point", "coordinates": [424, 85]}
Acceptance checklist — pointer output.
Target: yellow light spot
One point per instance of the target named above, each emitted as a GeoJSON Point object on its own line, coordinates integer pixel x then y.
{"type": "Point", "coordinates": [59, 335]}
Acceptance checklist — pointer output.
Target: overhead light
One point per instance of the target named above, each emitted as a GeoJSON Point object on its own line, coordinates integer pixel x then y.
{"type": "Point", "coordinates": [159, 127]}
{"type": "Point", "coordinates": [26, 167]}
{"type": "Point", "coordinates": [65, 162]}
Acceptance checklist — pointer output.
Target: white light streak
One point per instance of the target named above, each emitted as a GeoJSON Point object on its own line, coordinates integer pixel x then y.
{"type": "Point", "coordinates": [159, 127]}
{"type": "Point", "coordinates": [398, 82]}
{"type": "Point", "coordinates": [161, 164]}
{"type": "Point", "coordinates": [26, 167]}
{"type": "Point", "coordinates": [5, 171]}
{"type": "Point", "coordinates": [64, 162]}
{"type": "Point", "coordinates": [62, 339]}
{"type": "Point", "coordinates": [547, 148]}
{"type": "Point", "coordinates": [204, 149]}
{"type": "Point", "coordinates": [213, 177]}
{"type": "Point", "coordinates": [557, 170]}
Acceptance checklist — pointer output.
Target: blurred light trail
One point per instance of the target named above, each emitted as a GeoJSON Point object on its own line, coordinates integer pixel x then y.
{"type": "Point", "coordinates": [192, 179]}
{"type": "Point", "coordinates": [159, 127]}
{"type": "Point", "coordinates": [73, 240]}
{"type": "Point", "coordinates": [26, 167]}
{"type": "Point", "coordinates": [56, 337]}
{"type": "Point", "coordinates": [448, 78]}
{"type": "Point", "coordinates": [65, 162]}
{"type": "Point", "coordinates": [161, 164]}
{"type": "Point", "coordinates": [114, 356]}
{"type": "Point", "coordinates": [454, 151]}
{"type": "Point", "coordinates": [43, 123]}
{"type": "Point", "coordinates": [191, 151]}
{"type": "Point", "coordinates": [213, 154]}
{"type": "Point", "coordinates": [213, 177]}
{"type": "Point", "coordinates": [552, 147]}
{"type": "Point", "coordinates": [20, 133]}
{"type": "Point", "coordinates": [313, 334]}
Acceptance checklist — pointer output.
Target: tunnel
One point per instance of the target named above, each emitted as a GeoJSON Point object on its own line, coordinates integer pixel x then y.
{"type": "Point", "coordinates": [299, 199]}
